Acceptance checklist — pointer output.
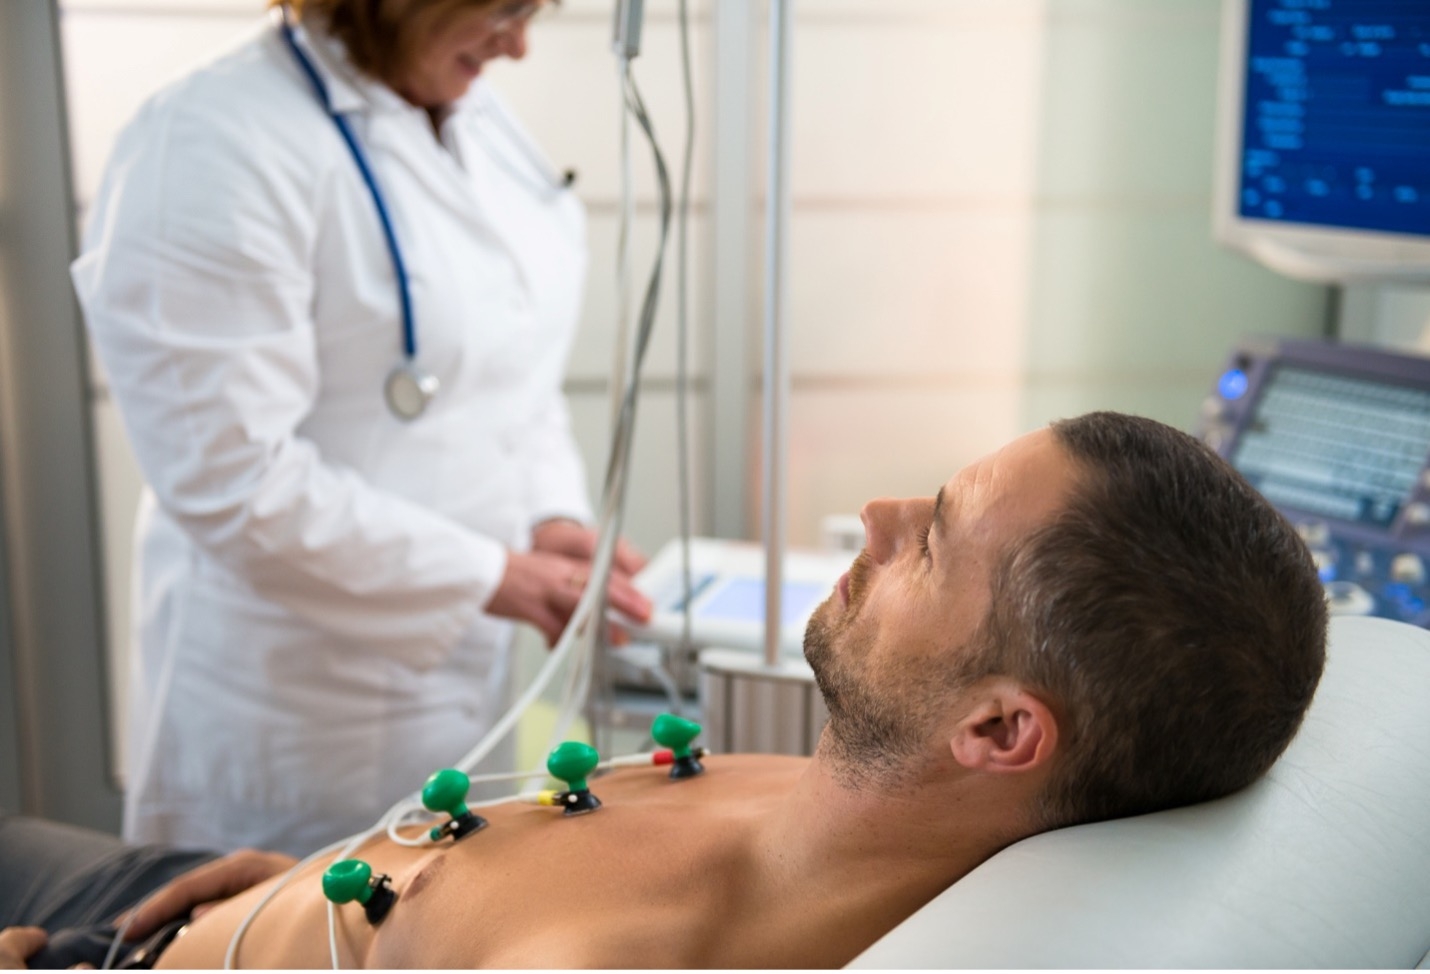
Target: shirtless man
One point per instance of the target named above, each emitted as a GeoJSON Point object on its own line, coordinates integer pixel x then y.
{"type": "Point", "coordinates": [1100, 619]}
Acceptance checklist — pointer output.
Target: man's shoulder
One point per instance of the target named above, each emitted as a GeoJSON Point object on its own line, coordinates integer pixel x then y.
{"type": "Point", "coordinates": [763, 764]}
{"type": "Point", "coordinates": [726, 777]}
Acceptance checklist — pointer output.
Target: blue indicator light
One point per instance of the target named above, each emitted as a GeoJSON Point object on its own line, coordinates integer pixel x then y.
{"type": "Point", "coordinates": [1232, 384]}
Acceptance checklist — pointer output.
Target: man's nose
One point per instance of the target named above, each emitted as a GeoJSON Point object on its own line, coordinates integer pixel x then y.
{"type": "Point", "coordinates": [892, 524]}
{"type": "Point", "coordinates": [882, 518]}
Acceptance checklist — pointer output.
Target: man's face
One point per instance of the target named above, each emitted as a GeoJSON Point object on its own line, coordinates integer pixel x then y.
{"type": "Point", "coordinates": [887, 645]}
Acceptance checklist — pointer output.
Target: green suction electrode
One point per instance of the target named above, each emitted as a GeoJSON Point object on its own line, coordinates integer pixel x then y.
{"type": "Point", "coordinates": [446, 791]}
{"type": "Point", "coordinates": [571, 762]}
{"type": "Point", "coordinates": [676, 733]}
{"type": "Point", "coordinates": [352, 879]}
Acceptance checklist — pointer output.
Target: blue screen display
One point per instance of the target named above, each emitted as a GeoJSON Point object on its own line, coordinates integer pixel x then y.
{"type": "Point", "coordinates": [743, 600]}
{"type": "Point", "coordinates": [1336, 119]}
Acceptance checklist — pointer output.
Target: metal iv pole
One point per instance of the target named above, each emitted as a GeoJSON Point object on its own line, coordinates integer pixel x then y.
{"type": "Point", "coordinates": [768, 704]}
{"type": "Point", "coordinates": [776, 377]}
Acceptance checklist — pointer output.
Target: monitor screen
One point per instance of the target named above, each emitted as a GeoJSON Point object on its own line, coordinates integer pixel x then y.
{"type": "Point", "coordinates": [742, 599]}
{"type": "Point", "coordinates": [1335, 446]}
{"type": "Point", "coordinates": [1323, 132]}
{"type": "Point", "coordinates": [1335, 121]}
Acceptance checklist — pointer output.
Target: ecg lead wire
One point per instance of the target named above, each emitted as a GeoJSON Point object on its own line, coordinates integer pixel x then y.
{"type": "Point", "coordinates": [608, 530]}
{"type": "Point", "coordinates": [682, 334]}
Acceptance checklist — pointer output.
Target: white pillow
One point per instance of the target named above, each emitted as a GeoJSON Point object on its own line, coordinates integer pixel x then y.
{"type": "Point", "coordinates": [1324, 863]}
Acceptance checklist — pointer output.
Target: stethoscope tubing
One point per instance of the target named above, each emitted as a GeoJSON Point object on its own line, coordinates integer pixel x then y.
{"type": "Point", "coordinates": [404, 292]}
{"type": "Point", "coordinates": [408, 388]}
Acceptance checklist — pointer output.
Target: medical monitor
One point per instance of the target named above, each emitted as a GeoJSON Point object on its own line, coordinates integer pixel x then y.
{"type": "Point", "coordinates": [1337, 438]}
{"type": "Point", "coordinates": [1323, 143]}
{"type": "Point", "coordinates": [727, 597]}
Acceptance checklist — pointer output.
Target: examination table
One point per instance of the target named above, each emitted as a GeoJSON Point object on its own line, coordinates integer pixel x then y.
{"type": "Point", "coordinates": [1324, 863]}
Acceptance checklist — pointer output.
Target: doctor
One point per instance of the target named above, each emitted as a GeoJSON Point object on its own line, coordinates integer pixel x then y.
{"type": "Point", "coordinates": [334, 288]}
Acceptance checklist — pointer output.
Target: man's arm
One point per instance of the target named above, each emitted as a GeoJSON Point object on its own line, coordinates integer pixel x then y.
{"type": "Point", "coordinates": [17, 944]}
{"type": "Point", "coordinates": [196, 890]}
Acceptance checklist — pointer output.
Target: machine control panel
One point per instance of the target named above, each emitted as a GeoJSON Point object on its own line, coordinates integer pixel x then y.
{"type": "Point", "coordinates": [1337, 437]}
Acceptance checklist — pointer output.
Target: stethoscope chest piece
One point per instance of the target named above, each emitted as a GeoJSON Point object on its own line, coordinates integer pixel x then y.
{"type": "Point", "coordinates": [408, 390]}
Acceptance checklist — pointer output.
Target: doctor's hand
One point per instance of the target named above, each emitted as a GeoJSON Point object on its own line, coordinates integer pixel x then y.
{"type": "Point", "coordinates": [562, 536]}
{"type": "Point", "coordinates": [201, 888]}
{"type": "Point", "coordinates": [543, 588]}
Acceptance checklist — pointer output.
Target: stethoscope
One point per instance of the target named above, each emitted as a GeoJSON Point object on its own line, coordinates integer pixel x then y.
{"type": "Point", "coordinates": [409, 388]}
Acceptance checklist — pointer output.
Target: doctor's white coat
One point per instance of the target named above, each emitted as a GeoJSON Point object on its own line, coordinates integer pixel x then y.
{"type": "Point", "coordinates": [310, 571]}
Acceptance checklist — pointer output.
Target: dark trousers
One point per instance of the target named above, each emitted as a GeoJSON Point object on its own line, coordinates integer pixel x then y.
{"type": "Point", "coordinates": [60, 876]}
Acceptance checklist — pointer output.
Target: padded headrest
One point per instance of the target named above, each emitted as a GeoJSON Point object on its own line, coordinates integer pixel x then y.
{"type": "Point", "coordinates": [1323, 863]}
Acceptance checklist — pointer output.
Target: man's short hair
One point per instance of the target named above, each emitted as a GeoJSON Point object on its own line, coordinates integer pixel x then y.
{"type": "Point", "coordinates": [1172, 615]}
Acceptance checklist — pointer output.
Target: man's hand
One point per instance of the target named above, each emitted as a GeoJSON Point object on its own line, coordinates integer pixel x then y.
{"type": "Point", "coordinates": [17, 944]}
{"type": "Point", "coordinates": [198, 889]}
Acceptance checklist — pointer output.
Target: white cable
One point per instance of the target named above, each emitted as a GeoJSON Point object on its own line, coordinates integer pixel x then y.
{"type": "Point", "coordinates": [414, 813]}
{"type": "Point", "coordinates": [231, 955]}
{"type": "Point", "coordinates": [333, 934]}
{"type": "Point", "coordinates": [600, 571]}
{"type": "Point", "coordinates": [570, 698]}
{"type": "Point", "coordinates": [578, 679]}
{"type": "Point", "coordinates": [592, 598]}
{"type": "Point", "coordinates": [620, 352]}
{"type": "Point", "coordinates": [613, 494]}
{"type": "Point", "coordinates": [624, 364]}
{"type": "Point", "coordinates": [118, 941]}
{"type": "Point", "coordinates": [682, 332]}
{"type": "Point", "coordinates": [413, 843]}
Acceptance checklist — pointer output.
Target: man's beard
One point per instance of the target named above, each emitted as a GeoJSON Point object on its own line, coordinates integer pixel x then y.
{"type": "Point", "coordinates": [874, 736]}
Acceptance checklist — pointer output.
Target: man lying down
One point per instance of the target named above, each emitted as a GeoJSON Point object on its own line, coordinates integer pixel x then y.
{"type": "Point", "coordinates": [1101, 619]}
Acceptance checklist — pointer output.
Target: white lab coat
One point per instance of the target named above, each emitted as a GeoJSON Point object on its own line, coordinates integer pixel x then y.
{"type": "Point", "coordinates": [310, 571]}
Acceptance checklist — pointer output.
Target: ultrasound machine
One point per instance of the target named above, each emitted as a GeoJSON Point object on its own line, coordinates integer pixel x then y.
{"type": "Point", "coordinates": [1323, 174]}
{"type": "Point", "coordinates": [1338, 439]}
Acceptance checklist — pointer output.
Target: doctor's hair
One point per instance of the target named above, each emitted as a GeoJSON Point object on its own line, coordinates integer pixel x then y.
{"type": "Point", "coordinates": [382, 36]}
{"type": "Point", "coordinates": [1171, 614]}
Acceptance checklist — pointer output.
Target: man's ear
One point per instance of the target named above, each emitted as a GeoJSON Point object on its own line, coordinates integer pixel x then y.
{"type": "Point", "coordinates": [1008, 729]}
